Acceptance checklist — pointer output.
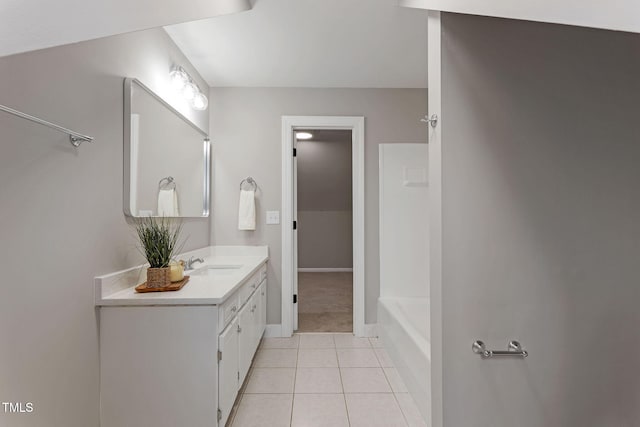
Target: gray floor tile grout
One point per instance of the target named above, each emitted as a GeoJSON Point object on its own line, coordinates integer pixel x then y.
{"type": "Point", "coordinates": [295, 377]}
{"type": "Point", "coordinates": [340, 368]}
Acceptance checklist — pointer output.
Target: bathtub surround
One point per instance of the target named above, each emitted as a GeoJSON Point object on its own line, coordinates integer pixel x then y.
{"type": "Point", "coordinates": [404, 306]}
{"type": "Point", "coordinates": [52, 358]}
{"type": "Point", "coordinates": [540, 162]}
{"type": "Point", "coordinates": [249, 120]}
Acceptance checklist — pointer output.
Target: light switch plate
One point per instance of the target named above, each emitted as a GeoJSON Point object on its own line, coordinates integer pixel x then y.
{"type": "Point", "coordinates": [273, 217]}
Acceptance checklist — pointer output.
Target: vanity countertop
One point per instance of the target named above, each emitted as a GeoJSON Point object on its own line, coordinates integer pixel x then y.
{"type": "Point", "coordinates": [118, 289]}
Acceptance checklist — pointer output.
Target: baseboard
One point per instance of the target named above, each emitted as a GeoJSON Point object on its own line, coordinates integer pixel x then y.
{"type": "Point", "coordinates": [273, 331]}
{"type": "Point", "coordinates": [325, 270]}
{"type": "Point", "coordinates": [370, 330]}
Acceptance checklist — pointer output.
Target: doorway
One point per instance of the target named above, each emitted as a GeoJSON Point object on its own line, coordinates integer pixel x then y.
{"type": "Point", "coordinates": [324, 215]}
{"type": "Point", "coordinates": [321, 307]}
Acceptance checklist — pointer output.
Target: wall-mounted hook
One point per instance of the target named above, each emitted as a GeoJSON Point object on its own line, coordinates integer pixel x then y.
{"type": "Point", "coordinates": [433, 120]}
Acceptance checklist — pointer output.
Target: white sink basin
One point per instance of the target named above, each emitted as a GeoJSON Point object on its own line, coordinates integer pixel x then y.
{"type": "Point", "coordinates": [217, 270]}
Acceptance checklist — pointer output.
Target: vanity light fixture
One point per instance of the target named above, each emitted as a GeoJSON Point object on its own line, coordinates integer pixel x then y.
{"type": "Point", "coordinates": [304, 135]}
{"type": "Point", "coordinates": [182, 81]}
{"type": "Point", "coordinates": [190, 91]}
{"type": "Point", "coordinates": [200, 102]}
{"type": "Point", "coordinates": [179, 78]}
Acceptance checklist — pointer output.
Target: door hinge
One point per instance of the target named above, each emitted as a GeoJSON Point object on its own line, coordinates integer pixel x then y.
{"type": "Point", "coordinates": [219, 355]}
{"type": "Point", "coordinates": [238, 375]}
{"type": "Point", "coordinates": [295, 152]}
{"type": "Point", "coordinates": [295, 225]}
{"type": "Point", "coordinates": [239, 329]}
{"type": "Point", "coordinates": [295, 298]}
{"type": "Point", "coordinates": [219, 414]}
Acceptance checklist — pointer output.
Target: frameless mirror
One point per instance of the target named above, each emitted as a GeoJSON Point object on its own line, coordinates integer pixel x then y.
{"type": "Point", "coordinates": [167, 158]}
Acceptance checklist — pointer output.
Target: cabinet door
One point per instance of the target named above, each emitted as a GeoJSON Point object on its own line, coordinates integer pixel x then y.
{"type": "Point", "coordinates": [262, 292]}
{"type": "Point", "coordinates": [255, 325]}
{"type": "Point", "coordinates": [245, 344]}
{"type": "Point", "coordinates": [227, 370]}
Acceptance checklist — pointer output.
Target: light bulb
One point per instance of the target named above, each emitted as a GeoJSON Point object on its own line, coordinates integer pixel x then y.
{"type": "Point", "coordinates": [304, 135]}
{"type": "Point", "coordinates": [178, 78]}
{"type": "Point", "coordinates": [190, 90]}
{"type": "Point", "coordinates": [200, 102]}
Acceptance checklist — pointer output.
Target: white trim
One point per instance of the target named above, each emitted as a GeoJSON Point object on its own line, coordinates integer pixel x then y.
{"type": "Point", "coordinates": [356, 125]}
{"type": "Point", "coordinates": [624, 17]}
{"type": "Point", "coordinates": [325, 270]}
{"type": "Point", "coordinates": [435, 215]}
{"type": "Point", "coordinates": [370, 330]}
{"type": "Point", "coordinates": [273, 331]}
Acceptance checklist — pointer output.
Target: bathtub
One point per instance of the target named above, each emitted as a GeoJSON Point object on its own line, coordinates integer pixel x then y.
{"type": "Point", "coordinates": [403, 328]}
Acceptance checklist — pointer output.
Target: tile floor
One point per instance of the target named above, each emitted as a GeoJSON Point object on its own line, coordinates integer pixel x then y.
{"type": "Point", "coordinates": [323, 380]}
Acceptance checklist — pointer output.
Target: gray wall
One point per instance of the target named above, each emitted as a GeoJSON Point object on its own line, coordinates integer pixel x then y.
{"type": "Point", "coordinates": [325, 239]}
{"type": "Point", "coordinates": [325, 220]}
{"type": "Point", "coordinates": [61, 217]}
{"type": "Point", "coordinates": [541, 233]}
{"type": "Point", "coordinates": [246, 131]}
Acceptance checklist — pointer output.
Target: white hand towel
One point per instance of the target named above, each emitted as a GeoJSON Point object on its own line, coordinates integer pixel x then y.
{"type": "Point", "coordinates": [247, 210]}
{"type": "Point", "coordinates": [168, 203]}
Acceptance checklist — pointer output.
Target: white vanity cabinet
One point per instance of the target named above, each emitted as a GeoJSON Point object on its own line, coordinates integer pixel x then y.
{"type": "Point", "coordinates": [248, 327]}
{"type": "Point", "coordinates": [179, 359]}
{"type": "Point", "coordinates": [245, 344]}
{"type": "Point", "coordinates": [228, 363]}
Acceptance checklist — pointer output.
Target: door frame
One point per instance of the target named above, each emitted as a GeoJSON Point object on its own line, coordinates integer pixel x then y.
{"type": "Point", "coordinates": [289, 126]}
{"type": "Point", "coordinates": [434, 67]}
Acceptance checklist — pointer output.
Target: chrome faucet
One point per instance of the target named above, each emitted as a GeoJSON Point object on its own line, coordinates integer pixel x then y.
{"type": "Point", "coordinates": [188, 265]}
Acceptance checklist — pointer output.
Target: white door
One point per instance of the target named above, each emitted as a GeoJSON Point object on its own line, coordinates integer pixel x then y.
{"type": "Point", "coordinates": [295, 236]}
{"type": "Point", "coordinates": [227, 370]}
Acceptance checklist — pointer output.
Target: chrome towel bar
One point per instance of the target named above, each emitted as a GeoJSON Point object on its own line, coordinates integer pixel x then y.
{"type": "Point", "coordinates": [75, 138]}
{"type": "Point", "coordinates": [514, 350]}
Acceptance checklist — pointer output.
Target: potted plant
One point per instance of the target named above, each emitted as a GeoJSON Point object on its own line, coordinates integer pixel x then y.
{"type": "Point", "coordinates": [159, 242]}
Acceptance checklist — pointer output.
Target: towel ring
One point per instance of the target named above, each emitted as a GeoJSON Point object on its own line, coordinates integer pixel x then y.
{"type": "Point", "coordinates": [251, 182]}
{"type": "Point", "coordinates": [167, 183]}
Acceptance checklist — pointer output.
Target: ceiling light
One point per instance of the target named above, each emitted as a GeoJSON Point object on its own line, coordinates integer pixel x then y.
{"type": "Point", "coordinates": [200, 102]}
{"type": "Point", "coordinates": [304, 135]}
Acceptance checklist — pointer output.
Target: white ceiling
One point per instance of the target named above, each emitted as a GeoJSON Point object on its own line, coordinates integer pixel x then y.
{"type": "Point", "coordinates": [36, 24]}
{"type": "Point", "coordinates": [310, 43]}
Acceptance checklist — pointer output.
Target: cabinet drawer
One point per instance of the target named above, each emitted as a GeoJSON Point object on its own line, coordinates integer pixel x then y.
{"type": "Point", "coordinates": [228, 310]}
{"type": "Point", "coordinates": [250, 286]}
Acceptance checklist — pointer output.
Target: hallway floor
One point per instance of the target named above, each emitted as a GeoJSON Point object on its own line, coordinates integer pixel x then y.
{"type": "Point", "coordinates": [323, 380]}
{"type": "Point", "coordinates": [325, 302]}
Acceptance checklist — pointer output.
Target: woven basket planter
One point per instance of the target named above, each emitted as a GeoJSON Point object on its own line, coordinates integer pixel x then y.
{"type": "Point", "coordinates": [158, 277]}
